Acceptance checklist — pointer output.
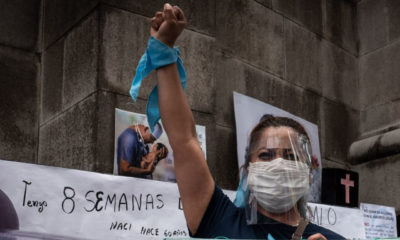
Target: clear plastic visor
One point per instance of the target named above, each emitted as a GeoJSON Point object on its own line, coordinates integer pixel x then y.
{"type": "Point", "coordinates": [276, 179]}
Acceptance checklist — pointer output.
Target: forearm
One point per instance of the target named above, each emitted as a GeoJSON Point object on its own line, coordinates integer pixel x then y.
{"type": "Point", "coordinates": [138, 171]}
{"type": "Point", "coordinates": [130, 170]}
{"type": "Point", "coordinates": [192, 174]}
{"type": "Point", "coordinates": [175, 112]}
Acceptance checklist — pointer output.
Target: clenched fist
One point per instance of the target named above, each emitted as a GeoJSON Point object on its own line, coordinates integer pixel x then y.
{"type": "Point", "coordinates": [167, 25]}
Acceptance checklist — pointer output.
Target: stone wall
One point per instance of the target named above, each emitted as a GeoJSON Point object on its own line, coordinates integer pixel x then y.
{"type": "Point", "coordinates": [68, 64]}
{"type": "Point", "coordinates": [19, 79]}
{"type": "Point", "coordinates": [379, 71]}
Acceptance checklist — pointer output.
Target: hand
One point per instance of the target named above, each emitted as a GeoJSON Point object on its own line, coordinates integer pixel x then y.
{"type": "Point", "coordinates": [317, 236]}
{"type": "Point", "coordinates": [162, 153]}
{"type": "Point", "coordinates": [167, 25]}
{"type": "Point", "coordinates": [150, 167]}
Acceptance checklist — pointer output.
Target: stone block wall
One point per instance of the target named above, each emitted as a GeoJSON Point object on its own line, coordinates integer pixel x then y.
{"type": "Point", "coordinates": [379, 74]}
{"type": "Point", "coordinates": [297, 55]}
{"type": "Point", "coordinates": [19, 79]}
{"type": "Point", "coordinates": [379, 57]}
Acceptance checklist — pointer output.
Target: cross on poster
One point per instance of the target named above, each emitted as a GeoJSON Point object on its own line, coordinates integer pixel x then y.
{"type": "Point", "coordinates": [347, 184]}
{"type": "Point", "coordinates": [339, 187]}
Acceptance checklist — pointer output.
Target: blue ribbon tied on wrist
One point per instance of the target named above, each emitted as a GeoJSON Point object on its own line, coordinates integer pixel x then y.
{"type": "Point", "coordinates": [157, 55]}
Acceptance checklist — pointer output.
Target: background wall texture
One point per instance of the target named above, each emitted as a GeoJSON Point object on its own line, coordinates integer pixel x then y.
{"type": "Point", "coordinates": [65, 65]}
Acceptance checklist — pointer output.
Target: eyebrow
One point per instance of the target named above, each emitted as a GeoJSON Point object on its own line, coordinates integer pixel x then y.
{"type": "Point", "coordinates": [269, 149]}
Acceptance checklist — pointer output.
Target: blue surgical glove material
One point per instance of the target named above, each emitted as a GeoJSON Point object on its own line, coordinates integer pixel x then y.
{"type": "Point", "coordinates": [157, 55]}
{"type": "Point", "coordinates": [242, 194]}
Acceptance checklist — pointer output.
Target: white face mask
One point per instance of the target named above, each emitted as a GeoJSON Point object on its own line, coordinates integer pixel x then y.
{"type": "Point", "coordinates": [277, 185]}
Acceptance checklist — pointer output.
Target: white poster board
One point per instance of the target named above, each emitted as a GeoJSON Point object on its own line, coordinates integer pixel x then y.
{"type": "Point", "coordinates": [347, 222]}
{"type": "Point", "coordinates": [379, 221]}
{"type": "Point", "coordinates": [248, 112]}
{"type": "Point", "coordinates": [87, 205]}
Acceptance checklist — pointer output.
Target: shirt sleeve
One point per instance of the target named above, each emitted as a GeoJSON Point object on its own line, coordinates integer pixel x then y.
{"type": "Point", "coordinates": [220, 214]}
{"type": "Point", "coordinates": [129, 147]}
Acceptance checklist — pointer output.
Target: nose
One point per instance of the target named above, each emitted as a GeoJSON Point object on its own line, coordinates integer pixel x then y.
{"type": "Point", "coordinates": [278, 153]}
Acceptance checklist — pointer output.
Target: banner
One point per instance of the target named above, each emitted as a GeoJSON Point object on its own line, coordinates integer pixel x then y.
{"type": "Point", "coordinates": [51, 201]}
{"type": "Point", "coordinates": [73, 203]}
{"type": "Point", "coordinates": [347, 222]}
{"type": "Point", "coordinates": [379, 221]}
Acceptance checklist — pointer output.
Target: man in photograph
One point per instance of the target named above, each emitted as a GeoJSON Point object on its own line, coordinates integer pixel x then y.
{"type": "Point", "coordinates": [133, 155]}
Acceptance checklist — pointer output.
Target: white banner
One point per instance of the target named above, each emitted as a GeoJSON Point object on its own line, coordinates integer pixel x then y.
{"type": "Point", "coordinates": [380, 221]}
{"type": "Point", "coordinates": [347, 222]}
{"type": "Point", "coordinates": [82, 204]}
{"type": "Point", "coordinates": [72, 203]}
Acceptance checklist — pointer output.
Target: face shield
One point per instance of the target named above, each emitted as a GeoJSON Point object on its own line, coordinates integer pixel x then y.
{"type": "Point", "coordinates": [275, 180]}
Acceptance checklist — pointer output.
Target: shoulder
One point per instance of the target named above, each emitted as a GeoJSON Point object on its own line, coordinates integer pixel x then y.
{"type": "Point", "coordinates": [329, 234]}
{"type": "Point", "coordinates": [223, 219]}
{"type": "Point", "coordinates": [221, 203]}
{"type": "Point", "coordinates": [128, 136]}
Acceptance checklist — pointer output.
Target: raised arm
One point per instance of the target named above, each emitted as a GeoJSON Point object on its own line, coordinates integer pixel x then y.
{"type": "Point", "coordinates": [194, 179]}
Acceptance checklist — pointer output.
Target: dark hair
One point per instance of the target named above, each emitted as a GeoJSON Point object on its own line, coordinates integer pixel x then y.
{"type": "Point", "coordinates": [267, 121]}
{"type": "Point", "coordinates": [160, 145]}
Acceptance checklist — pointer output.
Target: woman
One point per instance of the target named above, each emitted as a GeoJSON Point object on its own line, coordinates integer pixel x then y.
{"type": "Point", "coordinates": [208, 212]}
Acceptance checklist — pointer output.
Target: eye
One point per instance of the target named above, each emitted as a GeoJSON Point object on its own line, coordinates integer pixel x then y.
{"type": "Point", "coordinates": [290, 156]}
{"type": "Point", "coordinates": [266, 156]}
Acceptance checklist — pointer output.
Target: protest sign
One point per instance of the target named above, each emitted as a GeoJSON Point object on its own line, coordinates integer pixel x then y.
{"type": "Point", "coordinates": [379, 221]}
{"type": "Point", "coordinates": [347, 222]}
{"type": "Point", "coordinates": [74, 203]}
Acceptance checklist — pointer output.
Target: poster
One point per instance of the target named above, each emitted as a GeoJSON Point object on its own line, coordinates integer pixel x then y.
{"type": "Point", "coordinates": [51, 201]}
{"type": "Point", "coordinates": [248, 112]}
{"type": "Point", "coordinates": [379, 221]}
{"type": "Point", "coordinates": [347, 222]}
{"type": "Point", "coordinates": [164, 167]}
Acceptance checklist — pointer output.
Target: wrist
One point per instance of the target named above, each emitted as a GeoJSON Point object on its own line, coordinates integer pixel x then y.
{"type": "Point", "coordinates": [169, 43]}
{"type": "Point", "coordinates": [166, 67]}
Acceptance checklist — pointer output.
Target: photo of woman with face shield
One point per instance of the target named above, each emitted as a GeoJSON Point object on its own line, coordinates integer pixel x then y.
{"type": "Point", "coordinates": [276, 174]}
{"type": "Point", "coordinates": [277, 165]}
